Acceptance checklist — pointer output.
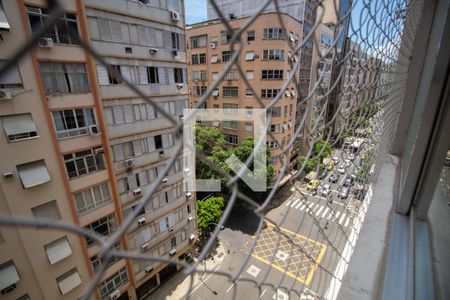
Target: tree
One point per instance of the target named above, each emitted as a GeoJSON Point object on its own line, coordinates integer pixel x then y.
{"type": "Point", "coordinates": [309, 164]}
{"type": "Point", "coordinates": [322, 150]}
{"type": "Point", "coordinates": [209, 211]}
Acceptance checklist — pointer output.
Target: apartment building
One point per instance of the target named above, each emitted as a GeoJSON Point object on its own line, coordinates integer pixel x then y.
{"type": "Point", "coordinates": [265, 58]}
{"type": "Point", "coordinates": [80, 147]}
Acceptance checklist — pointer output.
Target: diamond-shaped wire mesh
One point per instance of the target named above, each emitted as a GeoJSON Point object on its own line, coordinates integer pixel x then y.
{"type": "Point", "coordinates": [357, 99]}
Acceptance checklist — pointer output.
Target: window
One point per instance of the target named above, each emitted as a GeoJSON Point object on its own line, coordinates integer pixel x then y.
{"type": "Point", "coordinates": [230, 91]}
{"type": "Point", "coordinates": [176, 40]}
{"type": "Point", "coordinates": [173, 242]}
{"type": "Point", "coordinates": [269, 93]}
{"type": "Point", "coordinates": [198, 41]}
{"type": "Point", "coordinates": [226, 37]}
{"type": "Point", "coordinates": [58, 250]}
{"type": "Point", "coordinates": [249, 56]}
{"type": "Point", "coordinates": [63, 32]}
{"type": "Point", "coordinates": [64, 78]}
{"type": "Point", "coordinates": [202, 58]}
{"type": "Point", "coordinates": [276, 111]}
{"type": "Point", "coordinates": [248, 93]}
{"type": "Point", "coordinates": [250, 35]}
{"type": "Point", "coordinates": [231, 139]}
{"type": "Point", "coordinates": [11, 78]}
{"type": "Point", "coordinates": [248, 127]}
{"type": "Point", "coordinates": [110, 30]}
{"type": "Point", "coordinates": [199, 75]}
{"type": "Point", "coordinates": [272, 144]}
{"type": "Point", "coordinates": [152, 75]}
{"type": "Point", "coordinates": [194, 59]}
{"type": "Point", "coordinates": [178, 75]}
{"type": "Point", "coordinates": [273, 54]}
{"type": "Point", "coordinates": [48, 210]}
{"type": "Point", "coordinates": [274, 128]}
{"type": "Point", "coordinates": [214, 59]}
{"type": "Point", "coordinates": [113, 283]}
{"type": "Point", "coordinates": [200, 90]}
{"type": "Point", "coordinates": [73, 122]}
{"type": "Point", "coordinates": [249, 110]}
{"type": "Point", "coordinates": [272, 74]}
{"type": "Point", "coordinates": [274, 33]}
{"type": "Point", "coordinates": [188, 208]}
{"type": "Point", "coordinates": [92, 197]}
{"type": "Point", "coordinates": [104, 227]}
{"type": "Point", "coordinates": [68, 281]}
{"type": "Point", "coordinates": [19, 127]}
{"type": "Point", "coordinates": [8, 275]}
{"type": "Point", "coordinates": [83, 162]}
{"type": "Point", "coordinates": [226, 56]}
{"type": "Point", "coordinates": [24, 297]}
{"type": "Point", "coordinates": [250, 75]}
{"type": "Point", "coordinates": [231, 75]}
{"type": "Point", "coordinates": [33, 174]}
{"type": "Point", "coordinates": [215, 76]}
{"type": "Point", "coordinates": [233, 124]}
{"type": "Point", "coordinates": [183, 235]}
{"type": "Point", "coordinates": [114, 74]}
{"type": "Point", "coordinates": [230, 108]}
{"type": "Point", "coordinates": [96, 262]}
{"type": "Point", "coordinates": [203, 75]}
{"type": "Point", "coordinates": [214, 41]}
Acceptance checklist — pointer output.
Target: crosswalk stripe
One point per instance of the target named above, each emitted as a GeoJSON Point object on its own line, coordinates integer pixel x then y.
{"type": "Point", "coordinates": [342, 218]}
{"type": "Point", "coordinates": [346, 222]}
{"type": "Point", "coordinates": [298, 205]}
{"type": "Point", "coordinates": [325, 212]}
{"type": "Point", "coordinates": [289, 202]}
{"type": "Point", "coordinates": [318, 212]}
{"type": "Point", "coordinates": [337, 215]}
{"type": "Point", "coordinates": [330, 215]}
{"type": "Point", "coordinates": [302, 207]}
{"type": "Point", "coordinates": [295, 202]}
{"type": "Point", "coordinates": [316, 206]}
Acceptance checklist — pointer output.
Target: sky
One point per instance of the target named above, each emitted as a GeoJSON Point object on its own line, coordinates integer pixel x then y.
{"type": "Point", "coordinates": [195, 11]}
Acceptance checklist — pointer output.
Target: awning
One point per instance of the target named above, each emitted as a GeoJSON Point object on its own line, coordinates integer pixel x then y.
{"type": "Point", "coordinates": [18, 124]}
{"type": "Point", "coordinates": [249, 55]}
{"type": "Point", "coordinates": [8, 276]}
{"type": "Point", "coordinates": [69, 283]}
{"type": "Point", "coordinates": [4, 24]}
{"type": "Point", "coordinates": [33, 174]}
{"type": "Point", "coordinates": [58, 250]}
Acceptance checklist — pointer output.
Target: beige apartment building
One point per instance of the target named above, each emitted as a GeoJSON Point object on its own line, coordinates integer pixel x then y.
{"type": "Point", "coordinates": [80, 147]}
{"type": "Point", "coordinates": [265, 59]}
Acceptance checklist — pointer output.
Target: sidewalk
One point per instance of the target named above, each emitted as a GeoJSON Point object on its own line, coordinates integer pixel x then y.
{"type": "Point", "coordinates": [178, 286]}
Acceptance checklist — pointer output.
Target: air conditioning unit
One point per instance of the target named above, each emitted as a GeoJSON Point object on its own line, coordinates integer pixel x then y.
{"type": "Point", "coordinates": [99, 150]}
{"type": "Point", "coordinates": [8, 175]}
{"type": "Point", "coordinates": [93, 130]}
{"type": "Point", "coordinates": [137, 192]}
{"type": "Point", "coordinates": [161, 152]}
{"type": "Point", "coordinates": [213, 45]}
{"type": "Point", "coordinates": [179, 85]}
{"type": "Point", "coordinates": [188, 195]}
{"type": "Point", "coordinates": [45, 42]}
{"type": "Point", "coordinates": [5, 94]}
{"type": "Point", "coordinates": [149, 269]}
{"type": "Point", "coordinates": [173, 252]}
{"type": "Point", "coordinates": [175, 52]}
{"type": "Point", "coordinates": [192, 237]}
{"type": "Point", "coordinates": [141, 221]}
{"type": "Point", "coordinates": [145, 247]}
{"type": "Point", "coordinates": [114, 295]}
{"type": "Point", "coordinates": [129, 162]}
{"type": "Point", "coordinates": [164, 180]}
{"type": "Point", "coordinates": [175, 16]}
{"type": "Point", "coordinates": [216, 123]}
{"type": "Point", "coordinates": [186, 170]}
{"type": "Point", "coordinates": [9, 289]}
{"type": "Point", "coordinates": [153, 51]}
{"type": "Point", "coordinates": [170, 229]}
{"type": "Point", "coordinates": [190, 219]}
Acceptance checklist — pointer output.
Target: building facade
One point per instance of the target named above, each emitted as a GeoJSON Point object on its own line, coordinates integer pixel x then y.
{"type": "Point", "coordinates": [266, 60]}
{"type": "Point", "coordinates": [96, 146]}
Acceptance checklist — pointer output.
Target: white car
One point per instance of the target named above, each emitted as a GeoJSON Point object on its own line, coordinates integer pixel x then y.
{"type": "Point", "coordinates": [347, 163]}
{"type": "Point", "coordinates": [351, 156]}
{"type": "Point", "coordinates": [325, 190]}
{"type": "Point", "coordinates": [335, 160]}
{"type": "Point", "coordinates": [341, 170]}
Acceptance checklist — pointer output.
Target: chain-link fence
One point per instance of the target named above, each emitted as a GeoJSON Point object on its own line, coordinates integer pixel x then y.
{"type": "Point", "coordinates": [351, 108]}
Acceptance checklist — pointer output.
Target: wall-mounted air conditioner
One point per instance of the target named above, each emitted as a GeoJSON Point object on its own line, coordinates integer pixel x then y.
{"type": "Point", "coordinates": [145, 247]}
{"type": "Point", "coordinates": [8, 175]}
{"type": "Point", "coordinates": [173, 252]}
{"type": "Point", "coordinates": [137, 192]}
{"type": "Point", "coordinates": [5, 94]}
{"type": "Point", "coordinates": [141, 221]}
{"type": "Point", "coordinates": [99, 150]}
{"type": "Point", "coordinates": [114, 295]}
{"type": "Point", "coordinates": [164, 180]}
{"type": "Point", "coordinates": [129, 162]}
{"type": "Point", "coordinates": [190, 219]}
{"type": "Point", "coordinates": [93, 130]}
{"type": "Point", "coordinates": [45, 42]}
{"type": "Point", "coordinates": [188, 195]}
{"type": "Point", "coordinates": [153, 51]}
{"type": "Point", "coordinates": [175, 16]}
{"type": "Point", "coordinates": [149, 269]}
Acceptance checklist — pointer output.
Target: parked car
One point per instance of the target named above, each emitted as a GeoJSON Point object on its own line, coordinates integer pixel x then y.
{"type": "Point", "coordinates": [323, 173]}
{"type": "Point", "coordinates": [330, 166]}
{"type": "Point", "coordinates": [341, 170]}
{"type": "Point", "coordinates": [325, 190]}
{"type": "Point", "coordinates": [343, 192]}
{"type": "Point", "coordinates": [351, 157]}
{"type": "Point", "coordinates": [349, 180]}
{"type": "Point", "coordinates": [312, 186]}
{"type": "Point", "coordinates": [336, 160]}
{"type": "Point", "coordinates": [334, 177]}
{"type": "Point", "coordinates": [347, 163]}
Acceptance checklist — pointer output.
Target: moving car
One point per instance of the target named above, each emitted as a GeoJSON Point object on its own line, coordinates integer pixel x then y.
{"type": "Point", "coordinates": [343, 192]}
{"type": "Point", "coordinates": [312, 186]}
{"type": "Point", "coordinates": [325, 190]}
{"type": "Point", "coordinates": [341, 170]}
{"type": "Point", "coordinates": [334, 177]}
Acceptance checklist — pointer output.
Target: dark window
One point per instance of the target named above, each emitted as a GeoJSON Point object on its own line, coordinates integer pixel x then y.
{"type": "Point", "coordinates": [158, 142]}
{"type": "Point", "coordinates": [178, 75]}
{"type": "Point", "coordinates": [152, 74]}
{"type": "Point", "coordinates": [114, 74]}
{"type": "Point", "coordinates": [250, 35]}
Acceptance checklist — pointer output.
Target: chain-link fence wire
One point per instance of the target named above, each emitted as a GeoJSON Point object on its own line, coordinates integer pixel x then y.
{"type": "Point", "coordinates": [357, 112]}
